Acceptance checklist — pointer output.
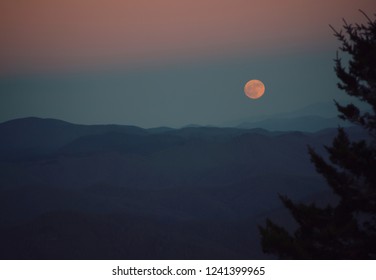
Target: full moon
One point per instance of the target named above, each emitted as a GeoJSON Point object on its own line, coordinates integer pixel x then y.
{"type": "Point", "coordinates": [254, 89]}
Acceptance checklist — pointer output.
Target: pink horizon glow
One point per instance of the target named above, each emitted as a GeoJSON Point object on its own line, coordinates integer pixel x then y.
{"type": "Point", "coordinates": [43, 34]}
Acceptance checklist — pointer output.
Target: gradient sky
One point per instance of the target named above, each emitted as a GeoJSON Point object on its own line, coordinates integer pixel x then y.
{"type": "Point", "coordinates": [167, 63]}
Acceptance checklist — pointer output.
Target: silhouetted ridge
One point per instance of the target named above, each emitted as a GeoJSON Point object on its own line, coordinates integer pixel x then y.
{"type": "Point", "coordinates": [110, 191]}
{"type": "Point", "coordinates": [34, 137]}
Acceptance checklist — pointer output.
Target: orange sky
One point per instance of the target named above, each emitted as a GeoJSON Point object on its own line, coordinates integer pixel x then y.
{"type": "Point", "coordinates": [43, 34]}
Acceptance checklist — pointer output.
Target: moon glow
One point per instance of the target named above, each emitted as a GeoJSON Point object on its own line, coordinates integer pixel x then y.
{"type": "Point", "coordinates": [254, 89]}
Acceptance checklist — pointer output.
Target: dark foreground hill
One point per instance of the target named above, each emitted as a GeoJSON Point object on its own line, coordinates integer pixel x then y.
{"type": "Point", "coordinates": [121, 192]}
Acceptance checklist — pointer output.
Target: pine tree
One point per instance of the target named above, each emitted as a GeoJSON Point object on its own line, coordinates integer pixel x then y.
{"type": "Point", "coordinates": [346, 230]}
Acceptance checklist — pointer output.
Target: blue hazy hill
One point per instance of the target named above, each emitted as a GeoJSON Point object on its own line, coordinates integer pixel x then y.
{"type": "Point", "coordinates": [122, 192]}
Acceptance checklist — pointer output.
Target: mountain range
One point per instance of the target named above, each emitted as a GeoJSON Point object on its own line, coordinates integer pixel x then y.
{"type": "Point", "coordinates": [72, 191]}
{"type": "Point", "coordinates": [311, 118]}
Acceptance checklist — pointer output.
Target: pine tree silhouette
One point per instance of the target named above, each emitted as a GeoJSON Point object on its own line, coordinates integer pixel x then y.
{"type": "Point", "coordinates": [348, 229]}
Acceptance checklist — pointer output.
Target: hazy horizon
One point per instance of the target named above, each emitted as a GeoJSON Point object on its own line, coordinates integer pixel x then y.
{"type": "Point", "coordinates": [325, 111]}
{"type": "Point", "coordinates": [167, 63]}
{"type": "Point", "coordinates": [175, 96]}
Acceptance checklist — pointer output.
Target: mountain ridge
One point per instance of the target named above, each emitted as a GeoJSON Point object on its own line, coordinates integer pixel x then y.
{"type": "Point", "coordinates": [159, 194]}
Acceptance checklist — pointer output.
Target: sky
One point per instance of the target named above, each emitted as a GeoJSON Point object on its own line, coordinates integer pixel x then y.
{"type": "Point", "coordinates": [167, 63]}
